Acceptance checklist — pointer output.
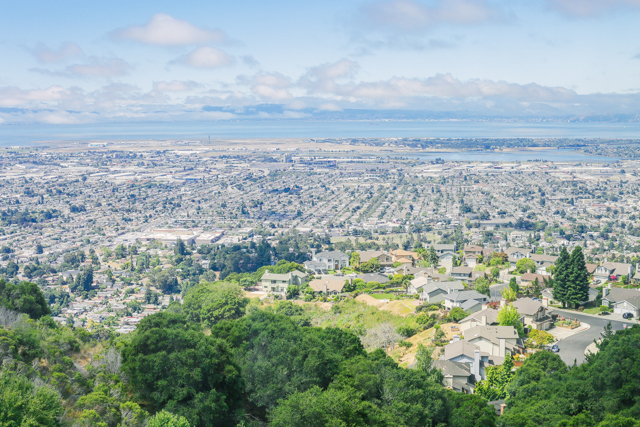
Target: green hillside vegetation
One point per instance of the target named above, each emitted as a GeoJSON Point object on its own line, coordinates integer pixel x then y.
{"type": "Point", "coordinates": [222, 360]}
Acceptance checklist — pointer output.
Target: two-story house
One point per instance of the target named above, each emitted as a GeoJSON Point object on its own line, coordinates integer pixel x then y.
{"type": "Point", "coordinates": [434, 292]}
{"type": "Point", "coordinates": [330, 260]}
{"type": "Point", "coordinates": [612, 271]}
{"type": "Point", "coordinates": [278, 283]}
{"type": "Point", "coordinates": [471, 301]}
{"type": "Point", "coordinates": [534, 314]}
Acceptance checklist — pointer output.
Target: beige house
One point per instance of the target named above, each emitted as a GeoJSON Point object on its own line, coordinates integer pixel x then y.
{"type": "Point", "coordinates": [278, 283]}
{"type": "Point", "coordinates": [327, 286]}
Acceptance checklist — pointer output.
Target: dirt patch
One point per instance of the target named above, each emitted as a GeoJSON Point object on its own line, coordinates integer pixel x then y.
{"type": "Point", "coordinates": [398, 308]}
{"type": "Point", "coordinates": [407, 356]}
{"type": "Point", "coordinates": [369, 300]}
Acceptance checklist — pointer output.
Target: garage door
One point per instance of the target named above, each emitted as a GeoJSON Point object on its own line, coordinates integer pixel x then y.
{"type": "Point", "coordinates": [622, 310]}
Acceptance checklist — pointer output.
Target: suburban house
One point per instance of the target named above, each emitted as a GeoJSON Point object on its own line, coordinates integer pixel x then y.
{"type": "Point", "coordinates": [324, 261]}
{"type": "Point", "coordinates": [612, 271]}
{"type": "Point", "coordinates": [446, 258]}
{"type": "Point", "coordinates": [622, 300]}
{"type": "Point", "coordinates": [327, 286]}
{"type": "Point", "coordinates": [467, 300]}
{"type": "Point", "coordinates": [516, 254]}
{"type": "Point", "coordinates": [534, 314]}
{"type": "Point", "coordinates": [442, 248]}
{"type": "Point", "coordinates": [473, 250]}
{"type": "Point", "coordinates": [548, 294]}
{"type": "Point", "coordinates": [457, 375]}
{"type": "Point", "coordinates": [485, 317]}
{"type": "Point", "coordinates": [472, 356]}
{"type": "Point", "coordinates": [461, 272]}
{"type": "Point", "coordinates": [543, 261]}
{"type": "Point", "coordinates": [278, 283]}
{"type": "Point", "coordinates": [471, 260]}
{"type": "Point", "coordinates": [384, 258]}
{"type": "Point", "coordinates": [404, 257]}
{"type": "Point", "coordinates": [495, 340]}
{"type": "Point", "coordinates": [527, 279]}
{"type": "Point", "coordinates": [434, 292]}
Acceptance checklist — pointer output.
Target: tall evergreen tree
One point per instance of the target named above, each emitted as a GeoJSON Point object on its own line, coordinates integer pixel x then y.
{"type": "Point", "coordinates": [578, 278]}
{"type": "Point", "coordinates": [561, 277]}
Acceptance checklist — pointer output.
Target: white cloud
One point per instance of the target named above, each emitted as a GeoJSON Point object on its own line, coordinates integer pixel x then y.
{"type": "Point", "coordinates": [175, 86]}
{"type": "Point", "coordinates": [444, 86]}
{"type": "Point", "coordinates": [165, 30]}
{"type": "Point", "coordinates": [206, 57]}
{"type": "Point", "coordinates": [587, 8]}
{"type": "Point", "coordinates": [16, 97]}
{"type": "Point", "coordinates": [94, 67]}
{"type": "Point", "coordinates": [271, 93]}
{"type": "Point", "coordinates": [329, 106]}
{"type": "Point", "coordinates": [342, 68]}
{"type": "Point", "coordinates": [414, 16]}
{"type": "Point", "coordinates": [66, 50]}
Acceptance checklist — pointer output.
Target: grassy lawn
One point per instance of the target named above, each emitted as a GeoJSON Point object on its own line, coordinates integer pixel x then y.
{"type": "Point", "coordinates": [383, 296]}
{"type": "Point", "coordinates": [480, 267]}
{"type": "Point", "coordinates": [594, 310]}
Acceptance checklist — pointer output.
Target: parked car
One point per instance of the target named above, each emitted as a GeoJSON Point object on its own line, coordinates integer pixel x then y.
{"type": "Point", "coordinates": [627, 315]}
{"type": "Point", "coordinates": [555, 348]}
{"type": "Point", "coordinates": [604, 313]}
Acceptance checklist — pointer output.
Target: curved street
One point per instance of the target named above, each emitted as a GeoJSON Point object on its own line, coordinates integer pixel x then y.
{"type": "Point", "coordinates": [573, 347]}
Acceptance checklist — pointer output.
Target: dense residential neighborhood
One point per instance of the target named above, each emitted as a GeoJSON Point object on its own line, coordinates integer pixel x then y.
{"type": "Point", "coordinates": [463, 270]}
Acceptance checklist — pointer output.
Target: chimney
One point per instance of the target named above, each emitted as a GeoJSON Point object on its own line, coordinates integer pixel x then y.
{"type": "Point", "coordinates": [266, 272]}
{"type": "Point", "coordinates": [484, 320]}
{"type": "Point", "coordinates": [503, 406]}
{"type": "Point", "coordinates": [485, 306]}
{"type": "Point", "coordinates": [605, 291]}
{"type": "Point", "coordinates": [503, 302]}
{"type": "Point", "coordinates": [313, 253]}
{"type": "Point", "coordinates": [476, 366]}
{"type": "Point", "coordinates": [545, 302]}
{"type": "Point", "coordinates": [503, 350]}
{"type": "Point", "coordinates": [324, 287]}
{"type": "Point", "coordinates": [449, 290]}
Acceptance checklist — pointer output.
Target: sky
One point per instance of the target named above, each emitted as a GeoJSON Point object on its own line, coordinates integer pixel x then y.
{"type": "Point", "coordinates": [94, 61]}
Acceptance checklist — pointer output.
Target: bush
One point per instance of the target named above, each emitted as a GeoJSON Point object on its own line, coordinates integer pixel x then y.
{"type": "Point", "coordinates": [406, 331]}
{"type": "Point", "coordinates": [405, 344]}
{"type": "Point", "coordinates": [604, 308]}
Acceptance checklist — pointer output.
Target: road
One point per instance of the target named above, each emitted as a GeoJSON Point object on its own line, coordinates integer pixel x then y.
{"type": "Point", "coordinates": [572, 348]}
{"type": "Point", "coordinates": [495, 291]}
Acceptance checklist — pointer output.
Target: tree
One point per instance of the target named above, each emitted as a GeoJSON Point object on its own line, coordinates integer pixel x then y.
{"type": "Point", "coordinates": [354, 261]}
{"type": "Point", "coordinates": [538, 339]}
{"type": "Point", "coordinates": [39, 248]}
{"type": "Point", "coordinates": [210, 303]}
{"type": "Point", "coordinates": [25, 297]}
{"type": "Point", "coordinates": [168, 282]}
{"type": "Point", "coordinates": [578, 281]}
{"type": "Point", "coordinates": [508, 294]}
{"type": "Point", "coordinates": [457, 314]}
{"type": "Point", "coordinates": [173, 365]}
{"type": "Point", "coordinates": [495, 273]}
{"type": "Point", "coordinates": [180, 249]}
{"type": "Point", "coordinates": [433, 257]}
{"type": "Point", "coordinates": [371, 266]}
{"type": "Point", "coordinates": [482, 286]}
{"type": "Point", "coordinates": [509, 316]}
{"type": "Point", "coordinates": [561, 278]}
{"type": "Point", "coordinates": [513, 285]}
{"type": "Point", "coordinates": [167, 419]}
{"type": "Point", "coordinates": [424, 363]}
{"type": "Point", "coordinates": [498, 379]}
{"type": "Point", "coordinates": [525, 265]}
{"type": "Point", "coordinates": [23, 404]}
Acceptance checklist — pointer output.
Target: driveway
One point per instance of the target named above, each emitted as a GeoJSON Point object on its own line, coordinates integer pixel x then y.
{"type": "Point", "coordinates": [572, 348]}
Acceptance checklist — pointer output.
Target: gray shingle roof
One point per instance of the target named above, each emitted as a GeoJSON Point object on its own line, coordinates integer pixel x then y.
{"type": "Point", "coordinates": [527, 306]}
